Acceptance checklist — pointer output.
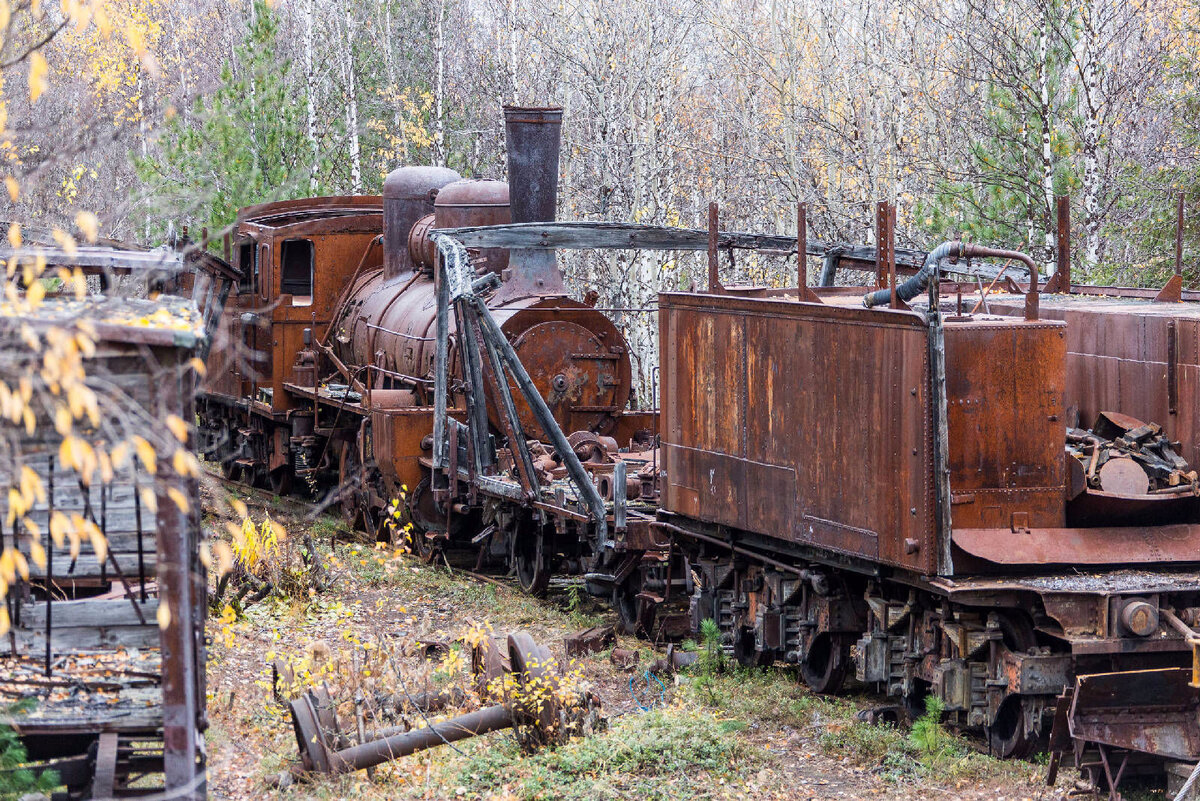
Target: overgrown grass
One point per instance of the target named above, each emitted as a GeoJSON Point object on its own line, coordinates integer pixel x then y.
{"type": "Point", "coordinates": [656, 755]}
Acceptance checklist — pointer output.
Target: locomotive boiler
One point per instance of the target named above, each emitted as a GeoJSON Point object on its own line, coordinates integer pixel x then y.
{"type": "Point", "coordinates": [324, 379]}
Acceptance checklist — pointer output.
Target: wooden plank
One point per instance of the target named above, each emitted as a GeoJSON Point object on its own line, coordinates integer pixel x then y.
{"type": "Point", "coordinates": [86, 566]}
{"type": "Point", "coordinates": [587, 235]}
{"type": "Point", "coordinates": [89, 612]}
{"type": "Point", "coordinates": [67, 640]}
{"type": "Point", "coordinates": [104, 778]}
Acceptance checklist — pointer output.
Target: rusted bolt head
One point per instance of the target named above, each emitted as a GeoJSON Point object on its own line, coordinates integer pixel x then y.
{"type": "Point", "coordinates": [911, 546]}
{"type": "Point", "coordinates": [427, 442]}
{"type": "Point", "coordinates": [559, 382]}
{"type": "Point", "coordinates": [1140, 618]}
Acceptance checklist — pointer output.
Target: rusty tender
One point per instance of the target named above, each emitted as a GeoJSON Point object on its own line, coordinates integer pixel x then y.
{"type": "Point", "coordinates": [926, 499]}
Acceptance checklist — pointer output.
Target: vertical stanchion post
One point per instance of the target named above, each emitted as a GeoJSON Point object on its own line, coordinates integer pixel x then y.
{"type": "Point", "coordinates": [803, 292]}
{"type": "Point", "coordinates": [714, 278]}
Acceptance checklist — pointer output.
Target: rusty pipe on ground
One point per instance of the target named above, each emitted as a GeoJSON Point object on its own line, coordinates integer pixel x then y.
{"type": "Point", "coordinates": [376, 752]}
{"type": "Point", "coordinates": [955, 249]}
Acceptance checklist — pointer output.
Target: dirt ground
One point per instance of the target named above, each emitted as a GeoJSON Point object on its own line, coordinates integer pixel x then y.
{"type": "Point", "coordinates": [731, 734]}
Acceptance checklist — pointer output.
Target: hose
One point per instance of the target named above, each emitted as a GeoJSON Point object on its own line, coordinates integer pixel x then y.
{"type": "Point", "coordinates": [917, 283]}
{"type": "Point", "coordinates": [914, 285]}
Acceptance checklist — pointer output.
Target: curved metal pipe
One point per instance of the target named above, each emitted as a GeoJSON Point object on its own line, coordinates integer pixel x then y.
{"type": "Point", "coordinates": [914, 285]}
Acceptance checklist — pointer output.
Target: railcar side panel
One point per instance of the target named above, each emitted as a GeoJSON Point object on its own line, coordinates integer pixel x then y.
{"type": "Point", "coordinates": [747, 444]}
{"type": "Point", "coordinates": [1005, 411]}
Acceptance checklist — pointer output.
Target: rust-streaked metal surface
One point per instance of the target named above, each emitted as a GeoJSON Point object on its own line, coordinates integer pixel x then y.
{"type": "Point", "coordinates": [475, 202]}
{"type": "Point", "coordinates": [1004, 387]}
{"type": "Point", "coordinates": [533, 137]}
{"type": "Point", "coordinates": [1153, 711]}
{"type": "Point", "coordinates": [1082, 546]}
{"type": "Point", "coordinates": [751, 442]}
{"type": "Point", "coordinates": [1130, 355]}
{"type": "Point", "coordinates": [408, 195]}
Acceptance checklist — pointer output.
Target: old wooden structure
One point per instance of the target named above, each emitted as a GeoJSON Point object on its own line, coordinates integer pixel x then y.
{"type": "Point", "coordinates": [103, 667]}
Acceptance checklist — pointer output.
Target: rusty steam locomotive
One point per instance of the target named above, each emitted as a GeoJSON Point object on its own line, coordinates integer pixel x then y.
{"type": "Point", "coordinates": [323, 382]}
{"type": "Point", "coordinates": [997, 508]}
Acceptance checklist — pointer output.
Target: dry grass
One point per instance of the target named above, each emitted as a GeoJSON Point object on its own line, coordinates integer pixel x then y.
{"type": "Point", "coordinates": [747, 734]}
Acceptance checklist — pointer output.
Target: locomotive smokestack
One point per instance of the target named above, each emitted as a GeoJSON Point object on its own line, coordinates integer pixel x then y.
{"type": "Point", "coordinates": [533, 137]}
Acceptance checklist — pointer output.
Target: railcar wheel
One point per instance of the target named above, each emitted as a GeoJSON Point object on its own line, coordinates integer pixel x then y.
{"type": "Point", "coordinates": [824, 666]}
{"type": "Point", "coordinates": [1008, 736]}
{"type": "Point", "coordinates": [280, 480]}
{"type": "Point", "coordinates": [633, 616]}
{"type": "Point", "coordinates": [354, 490]}
{"type": "Point", "coordinates": [427, 523]}
{"type": "Point", "coordinates": [530, 562]}
{"type": "Point", "coordinates": [231, 470]}
{"type": "Point", "coordinates": [744, 651]}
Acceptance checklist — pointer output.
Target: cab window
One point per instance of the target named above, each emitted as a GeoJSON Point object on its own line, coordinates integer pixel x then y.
{"type": "Point", "coordinates": [248, 283]}
{"type": "Point", "coordinates": [296, 271]}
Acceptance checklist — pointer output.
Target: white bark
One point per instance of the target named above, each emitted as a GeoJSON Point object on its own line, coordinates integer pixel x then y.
{"type": "Point", "coordinates": [310, 92]}
{"type": "Point", "coordinates": [352, 107]}
{"type": "Point", "coordinates": [1047, 150]}
{"type": "Point", "coordinates": [439, 126]}
{"type": "Point", "coordinates": [1090, 44]}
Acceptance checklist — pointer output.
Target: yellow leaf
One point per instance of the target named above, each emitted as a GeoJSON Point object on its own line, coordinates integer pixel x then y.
{"type": "Point", "coordinates": [185, 464]}
{"type": "Point", "coordinates": [36, 551]}
{"type": "Point", "coordinates": [197, 363]}
{"type": "Point", "coordinates": [164, 614]}
{"type": "Point", "coordinates": [14, 192]}
{"type": "Point", "coordinates": [14, 239]}
{"type": "Point", "coordinates": [37, 75]}
{"type": "Point", "coordinates": [146, 454]}
{"type": "Point", "coordinates": [120, 454]}
{"type": "Point", "coordinates": [59, 525]}
{"type": "Point", "coordinates": [149, 500]}
{"type": "Point", "coordinates": [32, 481]}
{"type": "Point", "coordinates": [179, 498]}
{"type": "Point", "coordinates": [178, 427]}
{"type": "Point", "coordinates": [86, 222]}
{"type": "Point", "coordinates": [63, 421]}
{"type": "Point", "coordinates": [64, 240]}
{"type": "Point", "coordinates": [99, 542]}
{"type": "Point", "coordinates": [35, 294]}
{"type": "Point", "coordinates": [21, 565]}
{"type": "Point", "coordinates": [5, 623]}
{"type": "Point", "coordinates": [106, 468]}
{"type": "Point", "coordinates": [5, 15]}
{"type": "Point", "coordinates": [205, 555]}
{"type": "Point", "coordinates": [239, 508]}
{"type": "Point", "coordinates": [224, 558]}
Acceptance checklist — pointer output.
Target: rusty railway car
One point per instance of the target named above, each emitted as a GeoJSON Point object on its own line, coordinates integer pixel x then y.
{"type": "Point", "coordinates": [965, 504]}
{"type": "Point", "coordinates": [322, 379]}
{"type": "Point", "coordinates": [116, 689]}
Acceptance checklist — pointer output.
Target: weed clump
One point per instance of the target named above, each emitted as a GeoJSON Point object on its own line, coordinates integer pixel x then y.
{"type": "Point", "coordinates": [650, 756]}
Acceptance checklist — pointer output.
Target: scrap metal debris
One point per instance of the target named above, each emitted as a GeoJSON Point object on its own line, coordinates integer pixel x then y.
{"type": "Point", "coordinates": [1124, 456]}
{"type": "Point", "coordinates": [531, 697]}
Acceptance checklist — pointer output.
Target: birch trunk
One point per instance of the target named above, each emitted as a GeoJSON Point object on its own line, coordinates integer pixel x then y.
{"type": "Point", "coordinates": [1047, 153]}
{"type": "Point", "coordinates": [352, 108]}
{"type": "Point", "coordinates": [439, 128]}
{"type": "Point", "coordinates": [310, 91]}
